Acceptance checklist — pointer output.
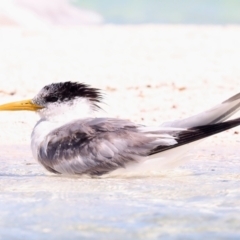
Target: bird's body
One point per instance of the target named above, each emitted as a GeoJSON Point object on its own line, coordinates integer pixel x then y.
{"type": "Point", "coordinates": [68, 139]}
{"type": "Point", "coordinates": [95, 146]}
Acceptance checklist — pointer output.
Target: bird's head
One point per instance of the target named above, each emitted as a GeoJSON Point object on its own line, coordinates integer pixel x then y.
{"type": "Point", "coordinates": [60, 101]}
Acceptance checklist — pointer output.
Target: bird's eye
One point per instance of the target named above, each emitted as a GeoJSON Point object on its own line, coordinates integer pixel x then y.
{"type": "Point", "coordinates": [51, 99]}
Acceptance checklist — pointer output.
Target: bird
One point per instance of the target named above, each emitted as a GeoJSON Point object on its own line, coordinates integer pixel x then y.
{"type": "Point", "coordinates": [70, 140]}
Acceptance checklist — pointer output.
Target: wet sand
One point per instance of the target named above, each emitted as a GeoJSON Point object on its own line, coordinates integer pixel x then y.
{"type": "Point", "coordinates": [150, 74]}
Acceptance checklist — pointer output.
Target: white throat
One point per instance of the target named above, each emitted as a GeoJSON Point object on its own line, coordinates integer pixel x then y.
{"type": "Point", "coordinates": [67, 111]}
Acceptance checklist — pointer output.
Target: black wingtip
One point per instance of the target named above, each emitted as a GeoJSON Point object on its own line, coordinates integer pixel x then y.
{"type": "Point", "coordinates": [197, 133]}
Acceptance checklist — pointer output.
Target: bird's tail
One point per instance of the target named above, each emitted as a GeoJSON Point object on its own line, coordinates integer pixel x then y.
{"type": "Point", "coordinates": [166, 157]}
{"type": "Point", "coordinates": [197, 133]}
{"type": "Point", "coordinates": [217, 114]}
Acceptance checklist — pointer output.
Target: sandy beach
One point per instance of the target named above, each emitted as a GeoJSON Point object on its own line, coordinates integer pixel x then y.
{"type": "Point", "coordinates": [149, 74]}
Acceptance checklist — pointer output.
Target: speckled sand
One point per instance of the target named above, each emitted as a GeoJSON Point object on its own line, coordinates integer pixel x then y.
{"type": "Point", "coordinates": [150, 74]}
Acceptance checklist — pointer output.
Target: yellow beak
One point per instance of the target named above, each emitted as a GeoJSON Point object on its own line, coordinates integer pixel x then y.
{"type": "Point", "coordinates": [20, 105]}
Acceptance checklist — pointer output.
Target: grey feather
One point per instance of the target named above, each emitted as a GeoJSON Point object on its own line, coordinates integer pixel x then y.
{"type": "Point", "coordinates": [217, 114]}
{"type": "Point", "coordinates": [97, 146]}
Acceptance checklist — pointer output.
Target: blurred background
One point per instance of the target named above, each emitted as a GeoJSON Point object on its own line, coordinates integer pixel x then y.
{"type": "Point", "coordinates": [74, 12]}
{"type": "Point", "coordinates": [165, 11]}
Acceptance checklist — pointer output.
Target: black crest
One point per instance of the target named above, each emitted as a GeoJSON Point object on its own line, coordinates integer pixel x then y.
{"type": "Point", "coordinates": [66, 91]}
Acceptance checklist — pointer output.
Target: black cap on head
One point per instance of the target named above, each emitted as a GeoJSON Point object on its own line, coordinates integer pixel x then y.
{"type": "Point", "coordinates": [67, 91]}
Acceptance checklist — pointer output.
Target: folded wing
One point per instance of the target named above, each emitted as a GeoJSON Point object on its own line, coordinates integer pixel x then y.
{"type": "Point", "coordinates": [101, 145]}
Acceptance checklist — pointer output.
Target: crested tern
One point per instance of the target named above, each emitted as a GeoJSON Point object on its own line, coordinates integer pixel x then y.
{"type": "Point", "coordinates": [69, 140]}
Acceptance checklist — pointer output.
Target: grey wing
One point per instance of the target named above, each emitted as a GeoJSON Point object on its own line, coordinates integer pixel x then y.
{"type": "Point", "coordinates": [216, 114]}
{"type": "Point", "coordinates": [98, 146]}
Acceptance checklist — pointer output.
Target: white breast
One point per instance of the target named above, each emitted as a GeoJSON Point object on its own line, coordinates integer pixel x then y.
{"type": "Point", "coordinates": [39, 133]}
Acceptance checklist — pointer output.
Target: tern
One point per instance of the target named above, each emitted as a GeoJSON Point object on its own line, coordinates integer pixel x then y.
{"type": "Point", "coordinates": [69, 140]}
